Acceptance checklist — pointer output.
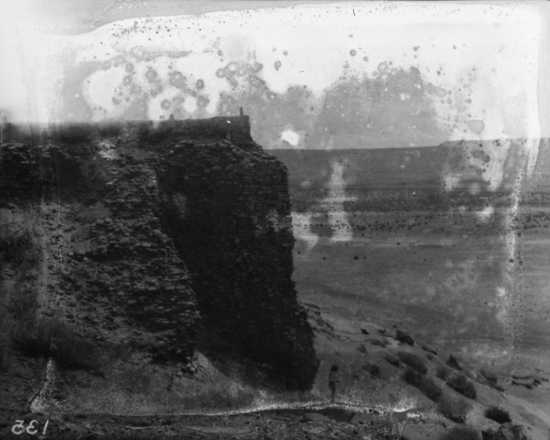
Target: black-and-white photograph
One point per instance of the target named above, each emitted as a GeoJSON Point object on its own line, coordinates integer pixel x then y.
{"type": "Point", "coordinates": [274, 220]}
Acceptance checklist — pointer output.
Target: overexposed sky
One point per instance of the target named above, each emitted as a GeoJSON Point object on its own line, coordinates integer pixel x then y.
{"type": "Point", "coordinates": [315, 75]}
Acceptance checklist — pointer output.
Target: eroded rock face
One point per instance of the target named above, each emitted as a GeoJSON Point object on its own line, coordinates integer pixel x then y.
{"type": "Point", "coordinates": [159, 237]}
{"type": "Point", "coordinates": [227, 208]}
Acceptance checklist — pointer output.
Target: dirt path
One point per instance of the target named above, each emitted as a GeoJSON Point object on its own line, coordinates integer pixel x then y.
{"type": "Point", "coordinates": [320, 422]}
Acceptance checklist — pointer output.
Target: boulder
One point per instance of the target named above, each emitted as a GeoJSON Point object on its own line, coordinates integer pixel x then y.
{"type": "Point", "coordinates": [453, 362]}
{"type": "Point", "coordinates": [507, 431]}
{"type": "Point", "coordinates": [401, 336]}
{"type": "Point", "coordinates": [489, 375]}
{"type": "Point", "coordinates": [525, 378]}
{"type": "Point", "coordinates": [528, 382]}
{"type": "Point", "coordinates": [429, 349]}
{"type": "Point", "coordinates": [522, 374]}
{"type": "Point", "coordinates": [364, 331]}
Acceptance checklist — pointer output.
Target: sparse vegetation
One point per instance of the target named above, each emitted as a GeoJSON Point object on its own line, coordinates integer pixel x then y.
{"type": "Point", "coordinates": [497, 414]}
{"type": "Point", "coordinates": [462, 385]}
{"type": "Point", "coordinates": [413, 361]}
{"type": "Point", "coordinates": [454, 409]}
{"type": "Point", "coordinates": [135, 379]}
{"type": "Point", "coordinates": [462, 433]}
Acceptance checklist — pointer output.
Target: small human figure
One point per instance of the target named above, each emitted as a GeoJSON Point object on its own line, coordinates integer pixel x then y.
{"type": "Point", "coordinates": [333, 379]}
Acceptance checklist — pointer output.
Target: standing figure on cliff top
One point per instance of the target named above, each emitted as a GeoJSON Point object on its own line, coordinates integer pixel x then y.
{"type": "Point", "coordinates": [333, 379]}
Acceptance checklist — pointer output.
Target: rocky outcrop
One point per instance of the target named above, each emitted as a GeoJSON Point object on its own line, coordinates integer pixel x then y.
{"type": "Point", "coordinates": [162, 237]}
{"type": "Point", "coordinates": [401, 336]}
{"type": "Point", "coordinates": [228, 209]}
{"type": "Point", "coordinates": [429, 349]}
{"type": "Point", "coordinates": [507, 431]}
{"type": "Point", "coordinates": [113, 275]}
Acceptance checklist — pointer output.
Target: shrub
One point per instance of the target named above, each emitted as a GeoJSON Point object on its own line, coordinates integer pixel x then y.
{"type": "Point", "coordinates": [412, 377]}
{"type": "Point", "coordinates": [442, 372]}
{"type": "Point", "coordinates": [426, 385]}
{"type": "Point", "coordinates": [454, 409]}
{"type": "Point", "coordinates": [462, 433]}
{"type": "Point", "coordinates": [373, 369]}
{"type": "Point", "coordinates": [463, 386]}
{"type": "Point", "coordinates": [413, 361]}
{"type": "Point", "coordinates": [429, 388]}
{"type": "Point", "coordinates": [497, 414]}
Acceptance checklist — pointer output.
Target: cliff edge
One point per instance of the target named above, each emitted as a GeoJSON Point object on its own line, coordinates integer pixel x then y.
{"type": "Point", "coordinates": [160, 238]}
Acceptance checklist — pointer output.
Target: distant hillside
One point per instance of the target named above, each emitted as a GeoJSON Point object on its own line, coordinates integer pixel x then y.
{"type": "Point", "coordinates": [408, 179]}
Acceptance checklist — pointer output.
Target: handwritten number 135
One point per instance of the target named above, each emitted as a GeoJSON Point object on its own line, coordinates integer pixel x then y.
{"type": "Point", "coordinates": [19, 427]}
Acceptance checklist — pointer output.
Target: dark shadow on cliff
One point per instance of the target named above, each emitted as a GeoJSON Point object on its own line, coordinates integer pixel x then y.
{"type": "Point", "coordinates": [226, 205]}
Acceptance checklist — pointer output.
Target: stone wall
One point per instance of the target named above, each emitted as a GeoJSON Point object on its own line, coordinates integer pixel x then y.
{"type": "Point", "coordinates": [153, 227]}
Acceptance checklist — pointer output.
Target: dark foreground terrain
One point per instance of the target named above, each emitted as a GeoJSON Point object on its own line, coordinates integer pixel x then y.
{"type": "Point", "coordinates": [328, 423]}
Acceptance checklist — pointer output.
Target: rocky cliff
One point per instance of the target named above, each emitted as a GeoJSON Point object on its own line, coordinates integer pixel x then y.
{"type": "Point", "coordinates": [159, 238]}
